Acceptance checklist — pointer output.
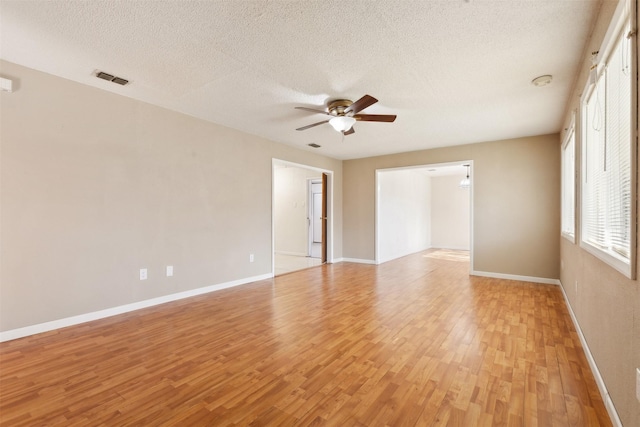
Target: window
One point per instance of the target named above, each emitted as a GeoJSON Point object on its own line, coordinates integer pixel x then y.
{"type": "Point", "coordinates": [568, 184]}
{"type": "Point", "coordinates": [607, 149]}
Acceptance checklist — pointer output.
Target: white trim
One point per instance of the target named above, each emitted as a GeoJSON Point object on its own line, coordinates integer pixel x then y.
{"type": "Point", "coordinates": [608, 403]}
{"type": "Point", "coordinates": [569, 129]}
{"type": "Point", "coordinates": [616, 26]}
{"type": "Point", "coordinates": [310, 229]}
{"type": "Point", "coordinates": [303, 254]}
{"type": "Point", "coordinates": [359, 261]}
{"type": "Point", "coordinates": [330, 213]}
{"type": "Point", "coordinates": [566, 138]}
{"type": "Point", "coordinates": [452, 248]}
{"type": "Point", "coordinates": [113, 311]}
{"type": "Point", "coordinates": [621, 265]}
{"type": "Point", "coordinates": [533, 279]}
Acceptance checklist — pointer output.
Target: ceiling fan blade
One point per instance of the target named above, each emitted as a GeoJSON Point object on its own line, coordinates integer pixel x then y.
{"type": "Point", "coordinates": [313, 110]}
{"type": "Point", "coordinates": [313, 125]}
{"type": "Point", "coordinates": [348, 132]}
{"type": "Point", "coordinates": [375, 117]}
{"type": "Point", "coordinates": [361, 104]}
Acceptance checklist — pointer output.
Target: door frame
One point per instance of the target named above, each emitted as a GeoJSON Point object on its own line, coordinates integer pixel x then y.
{"type": "Point", "coordinates": [330, 204]}
{"type": "Point", "coordinates": [431, 166]}
{"type": "Point", "coordinates": [310, 183]}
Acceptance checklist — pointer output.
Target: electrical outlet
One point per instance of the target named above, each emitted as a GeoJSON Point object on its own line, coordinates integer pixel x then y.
{"type": "Point", "coordinates": [143, 274]}
{"type": "Point", "coordinates": [638, 384]}
{"type": "Point", "coordinates": [251, 258]}
{"type": "Point", "coordinates": [169, 270]}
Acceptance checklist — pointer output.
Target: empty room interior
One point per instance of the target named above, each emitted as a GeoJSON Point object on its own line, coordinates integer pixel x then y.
{"type": "Point", "coordinates": [363, 213]}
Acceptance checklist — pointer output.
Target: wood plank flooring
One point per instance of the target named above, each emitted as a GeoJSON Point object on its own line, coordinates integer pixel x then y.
{"type": "Point", "coordinates": [415, 341]}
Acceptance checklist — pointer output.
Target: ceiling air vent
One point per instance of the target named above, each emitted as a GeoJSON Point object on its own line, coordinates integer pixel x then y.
{"type": "Point", "coordinates": [314, 145]}
{"type": "Point", "coordinates": [106, 76]}
{"type": "Point", "coordinates": [120, 81]}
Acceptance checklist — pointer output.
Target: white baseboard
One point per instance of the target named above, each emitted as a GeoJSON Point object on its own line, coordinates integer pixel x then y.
{"type": "Point", "coordinates": [359, 261]}
{"type": "Point", "coordinates": [452, 248]}
{"type": "Point", "coordinates": [291, 253]}
{"type": "Point", "coordinates": [113, 311]}
{"type": "Point", "coordinates": [606, 398]}
{"type": "Point", "coordinates": [533, 279]}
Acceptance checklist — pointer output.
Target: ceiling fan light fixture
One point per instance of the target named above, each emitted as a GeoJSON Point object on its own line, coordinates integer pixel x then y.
{"type": "Point", "coordinates": [345, 113]}
{"type": "Point", "coordinates": [342, 123]}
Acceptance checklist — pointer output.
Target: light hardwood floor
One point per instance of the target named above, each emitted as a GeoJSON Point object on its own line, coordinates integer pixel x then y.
{"type": "Point", "coordinates": [415, 341]}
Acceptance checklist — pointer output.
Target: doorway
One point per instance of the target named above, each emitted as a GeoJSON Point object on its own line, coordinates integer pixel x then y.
{"type": "Point", "coordinates": [424, 207]}
{"type": "Point", "coordinates": [301, 216]}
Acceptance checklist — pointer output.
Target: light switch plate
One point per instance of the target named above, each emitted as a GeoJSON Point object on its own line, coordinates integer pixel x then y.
{"type": "Point", "coordinates": [6, 85]}
{"type": "Point", "coordinates": [169, 270]}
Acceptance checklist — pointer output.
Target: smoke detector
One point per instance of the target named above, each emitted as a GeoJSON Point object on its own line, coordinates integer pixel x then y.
{"type": "Point", "coordinates": [542, 80]}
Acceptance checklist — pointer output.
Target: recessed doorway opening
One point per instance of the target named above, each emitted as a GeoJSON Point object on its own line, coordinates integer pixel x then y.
{"type": "Point", "coordinates": [302, 213]}
{"type": "Point", "coordinates": [424, 207]}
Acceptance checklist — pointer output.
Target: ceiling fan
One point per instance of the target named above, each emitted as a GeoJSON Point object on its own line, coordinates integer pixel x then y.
{"type": "Point", "coordinates": [345, 113]}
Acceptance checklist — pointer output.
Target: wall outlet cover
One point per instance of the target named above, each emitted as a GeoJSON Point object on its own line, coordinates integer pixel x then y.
{"type": "Point", "coordinates": [143, 274]}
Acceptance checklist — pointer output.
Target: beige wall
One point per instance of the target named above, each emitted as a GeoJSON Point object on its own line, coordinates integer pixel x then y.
{"type": "Point", "coordinates": [96, 186]}
{"type": "Point", "coordinates": [291, 209]}
{"type": "Point", "coordinates": [516, 202]}
{"type": "Point", "coordinates": [605, 303]}
{"type": "Point", "coordinates": [450, 213]}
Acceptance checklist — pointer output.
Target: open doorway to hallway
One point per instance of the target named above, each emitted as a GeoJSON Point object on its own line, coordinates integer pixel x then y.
{"type": "Point", "coordinates": [301, 217]}
{"type": "Point", "coordinates": [424, 207]}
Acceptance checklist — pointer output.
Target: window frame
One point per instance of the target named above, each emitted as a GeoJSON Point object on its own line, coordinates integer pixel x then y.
{"type": "Point", "coordinates": [617, 31]}
{"type": "Point", "coordinates": [570, 138]}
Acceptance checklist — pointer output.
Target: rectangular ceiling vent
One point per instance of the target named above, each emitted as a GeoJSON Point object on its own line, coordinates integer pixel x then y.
{"type": "Point", "coordinates": [106, 76]}
{"type": "Point", "coordinates": [120, 81]}
{"type": "Point", "coordinates": [314, 145]}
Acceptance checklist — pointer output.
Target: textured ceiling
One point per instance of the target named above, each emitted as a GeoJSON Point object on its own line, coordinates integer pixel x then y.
{"type": "Point", "coordinates": [454, 71]}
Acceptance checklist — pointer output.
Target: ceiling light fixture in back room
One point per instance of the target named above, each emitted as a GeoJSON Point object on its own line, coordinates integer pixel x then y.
{"type": "Point", "coordinates": [466, 182]}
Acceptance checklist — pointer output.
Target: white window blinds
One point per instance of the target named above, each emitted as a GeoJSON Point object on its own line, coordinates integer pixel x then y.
{"type": "Point", "coordinates": [606, 198]}
{"type": "Point", "coordinates": [568, 184]}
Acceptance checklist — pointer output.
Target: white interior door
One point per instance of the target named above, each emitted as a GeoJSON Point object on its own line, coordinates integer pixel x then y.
{"type": "Point", "coordinates": [315, 218]}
